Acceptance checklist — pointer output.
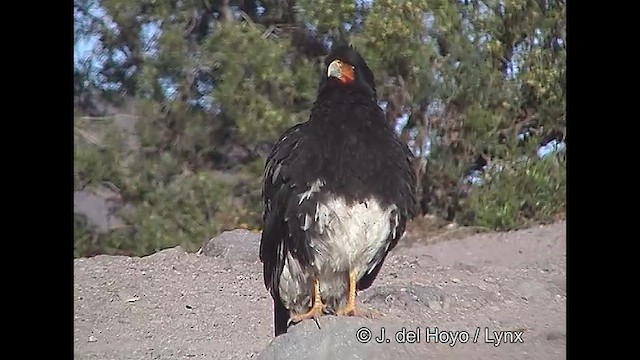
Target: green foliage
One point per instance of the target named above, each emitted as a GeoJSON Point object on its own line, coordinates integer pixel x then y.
{"type": "Point", "coordinates": [256, 88]}
{"type": "Point", "coordinates": [84, 236]}
{"type": "Point", "coordinates": [98, 151]}
{"type": "Point", "coordinates": [527, 193]}
{"type": "Point", "coordinates": [211, 85]}
{"type": "Point", "coordinates": [182, 212]}
{"type": "Point", "coordinates": [329, 15]}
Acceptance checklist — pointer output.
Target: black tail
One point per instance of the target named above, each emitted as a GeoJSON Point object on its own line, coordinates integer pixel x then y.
{"type": "Point", "coordinates": [280, 316]}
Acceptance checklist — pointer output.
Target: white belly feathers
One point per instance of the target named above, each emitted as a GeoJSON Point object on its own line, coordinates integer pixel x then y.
{"type": "Point", "coordinates": [347, 237]}
{"type": "Point", "coordinates": [350, 236]}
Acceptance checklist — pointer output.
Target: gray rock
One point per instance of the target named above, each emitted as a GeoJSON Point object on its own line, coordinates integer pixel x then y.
{"type": "Point", "coordinates": [232, 313]}
{"type": "Point", "coordinates": [559, 286]}
{"type": "Point", "coordinates": [555, 335]}
{"type": "Point", "coordinates": [410, 296]}
{"type": "Point", "coordinates": [528, 289]}
{"type": "Point", "coordinates": [236, 245]}
{"type": "Point", "coordinates": [338, 339]}
{"type": "Point", "coordinates": [96, 206]}
{"type": "Point", "coordinates": [467, 267]}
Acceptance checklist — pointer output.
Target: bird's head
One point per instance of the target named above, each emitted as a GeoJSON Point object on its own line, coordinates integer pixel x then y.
{"type": "Point", "coordinates": [346, 67]}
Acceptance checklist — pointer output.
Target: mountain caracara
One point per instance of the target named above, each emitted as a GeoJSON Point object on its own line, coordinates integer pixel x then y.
{"type": "Point", "coordinates": [338, 190]}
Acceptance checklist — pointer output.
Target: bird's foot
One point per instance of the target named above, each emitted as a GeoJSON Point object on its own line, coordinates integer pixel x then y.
{"type": "Point", "coordinates": [350, 308]}
{"type": "Point", "coordinates": [315, 312]}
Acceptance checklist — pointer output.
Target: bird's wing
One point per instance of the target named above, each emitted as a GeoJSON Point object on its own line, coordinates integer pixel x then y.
{"type": "Point", "coordinates": [408, 202]}
{"type": "Point", "coordinates": [278, 192]}
{"type": "Point", "coordinates": [406, 207]}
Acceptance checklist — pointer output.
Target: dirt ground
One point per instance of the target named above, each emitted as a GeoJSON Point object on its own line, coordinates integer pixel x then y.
{"type": "Point", "coordinates": [175, 305]}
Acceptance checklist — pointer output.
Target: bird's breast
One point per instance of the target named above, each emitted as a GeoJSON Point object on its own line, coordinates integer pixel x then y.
{"type": "Point", "coordinates": [348, 236]}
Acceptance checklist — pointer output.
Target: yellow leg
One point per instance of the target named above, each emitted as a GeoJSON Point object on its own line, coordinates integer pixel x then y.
{"type": "Point", "coordinates": [350, 308]}
{"type": "Point", "coordinates": [317, 308]}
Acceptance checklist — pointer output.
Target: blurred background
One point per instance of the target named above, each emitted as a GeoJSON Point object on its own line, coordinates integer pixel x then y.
{"type": "Point", "coordinates": [177, 104]}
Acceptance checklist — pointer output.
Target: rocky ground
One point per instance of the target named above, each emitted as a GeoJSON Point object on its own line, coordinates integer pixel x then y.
{"type": "Point", "coordinates": [487, 296]}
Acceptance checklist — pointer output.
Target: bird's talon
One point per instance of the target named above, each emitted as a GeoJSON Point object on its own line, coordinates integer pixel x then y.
{"type": "Point", "coordinates": [315, 312]}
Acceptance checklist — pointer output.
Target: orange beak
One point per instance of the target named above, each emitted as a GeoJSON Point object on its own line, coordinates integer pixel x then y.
{"type": "Point", "coordinates": [341, 71]}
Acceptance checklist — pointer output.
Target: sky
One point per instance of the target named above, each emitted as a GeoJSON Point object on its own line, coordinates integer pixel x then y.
{"type": "Point", "coordinates": [83, 48]}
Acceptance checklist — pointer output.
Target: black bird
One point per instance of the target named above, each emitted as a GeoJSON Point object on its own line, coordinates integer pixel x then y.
{"type": "Point", "coordinates": [338, 190]}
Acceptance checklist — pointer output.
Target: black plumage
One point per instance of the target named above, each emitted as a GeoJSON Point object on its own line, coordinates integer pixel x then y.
{"type": "Point", "coordinates": [338, 191]}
